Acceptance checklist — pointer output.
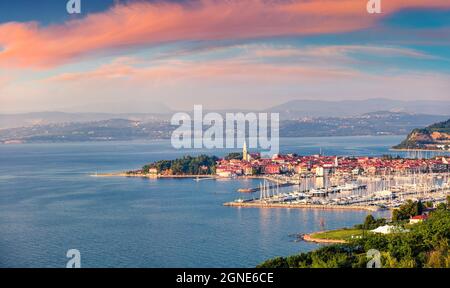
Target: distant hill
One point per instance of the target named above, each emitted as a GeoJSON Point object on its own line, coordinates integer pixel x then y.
{"type": "Point", "coordinates": [47, 118]}
{"type": "Point", "coordinates": [316, 108]}
{"type": "Point", "coordinates": [424, 112]}
{"type": "Point", "coordinates": [105, 130]}
{"type": "Point", "coordinates": [435, 137]}
{"type": "Point", "coordinates": [374, 123]}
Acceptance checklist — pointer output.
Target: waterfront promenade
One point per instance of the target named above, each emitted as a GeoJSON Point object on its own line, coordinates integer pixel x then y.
{"type": "Point", "coordinates": [255, 204]}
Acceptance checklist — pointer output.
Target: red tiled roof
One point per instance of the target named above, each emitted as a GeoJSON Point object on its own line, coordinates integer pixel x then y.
{"type": "Point", "coordinates": [419, 217]}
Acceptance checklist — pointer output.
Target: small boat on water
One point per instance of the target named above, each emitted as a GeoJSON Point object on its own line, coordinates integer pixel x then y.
{"type": "Point", "coordinates": [246, 190]}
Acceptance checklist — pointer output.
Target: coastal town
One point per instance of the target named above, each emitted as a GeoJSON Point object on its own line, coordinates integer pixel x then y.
{"type": "Point", "coordinates": [316, 181]}
{"type": "Point", "coordinates": [332, 182]}
{"type": "Point", "coordinates": [320, 165]}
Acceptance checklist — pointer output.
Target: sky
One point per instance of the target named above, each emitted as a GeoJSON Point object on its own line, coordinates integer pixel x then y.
{"type": "Point", "coordinates": [143, 56]}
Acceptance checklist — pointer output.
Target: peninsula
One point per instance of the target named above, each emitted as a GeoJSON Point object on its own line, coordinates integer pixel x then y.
{"type": "Point", "coordinates": [434, 137]}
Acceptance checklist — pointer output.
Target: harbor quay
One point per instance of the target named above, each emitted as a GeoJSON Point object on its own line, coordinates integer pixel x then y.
{"type": "Point", "coordinates": [258, 204]}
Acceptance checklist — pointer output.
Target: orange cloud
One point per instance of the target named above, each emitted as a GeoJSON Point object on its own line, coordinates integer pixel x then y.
{"type": "Point", "coordinates": [143, 23]}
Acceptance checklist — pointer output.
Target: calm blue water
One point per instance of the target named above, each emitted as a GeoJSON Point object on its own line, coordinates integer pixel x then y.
{"type": "Point", "coordinates": [49, 204]}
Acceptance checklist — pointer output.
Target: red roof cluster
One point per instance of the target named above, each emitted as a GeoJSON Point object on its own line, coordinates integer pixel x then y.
{"type": "Point", "coordinates": [299, 164]}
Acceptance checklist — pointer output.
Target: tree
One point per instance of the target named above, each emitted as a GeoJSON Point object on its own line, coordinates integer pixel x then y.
{"type": "Point", "coordinates": [441, 206]}
{"type": "Point", "coordinates": [407, 210]}
{"type": "Point", "coordinates": [369, 221]}
{"type": "Point", "coordinates": [418, 208]}
{"type": "Point", "coordinates": [278, 262]}
{"type": "Point", "coordinates": [439, 257]}
{"type": "Point", "coordinates": [397, 215]}
{"type": "Point", "coordinates": [428, 204]}
{"type": "Point", "coordinates": [234, 155]}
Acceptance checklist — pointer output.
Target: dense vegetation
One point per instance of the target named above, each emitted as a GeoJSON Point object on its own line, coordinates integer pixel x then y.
{"type": "Point", "coordinates": [188, 165]}
{"type": "Point", "coordinates": [408, 210]}
{"type": "Point", "coordinates": [234, 155]}
{"type": "Point", "coordinates": [443, 127]}
{"type": "Point", "coordinates": [425, 245]}
{"type": "Point", "coordinates": [371, 223]}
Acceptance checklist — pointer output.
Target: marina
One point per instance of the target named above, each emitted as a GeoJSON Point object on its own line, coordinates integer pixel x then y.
{"type": "Point", "coordinates": [360, 193]}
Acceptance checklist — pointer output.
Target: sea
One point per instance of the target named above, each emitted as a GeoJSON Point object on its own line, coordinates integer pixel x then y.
{"type": "Point", "coordinates": [50, 203]}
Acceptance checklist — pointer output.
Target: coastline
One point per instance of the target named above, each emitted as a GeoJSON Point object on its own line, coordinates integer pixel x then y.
{"type": "Point", "coordinates": [158, 176]}
{"type": "Point", "coordinates": [418, 150]}
{"type": "Point", "coordinates": [151, 176]}
{"type": "Point", "coordinates": [310, 238]}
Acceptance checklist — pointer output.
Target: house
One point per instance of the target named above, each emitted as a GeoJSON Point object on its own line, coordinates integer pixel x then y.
{"type": "Point", "coordinates": [272, 169]}
{"type": "Point", "coordinates": [225, 173]}
{"type": "Point", "coordinates": [418, 219]}
{"type": "Point", "coordinates": [248, 170]}
{"type": "Point", "coordinates": [357, 171]}
{"type": "Point", "coordinates": [301, 168]}
{"type": "Point", "coordinates": [320, 171]}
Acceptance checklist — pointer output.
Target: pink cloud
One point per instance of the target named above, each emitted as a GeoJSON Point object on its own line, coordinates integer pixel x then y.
{"type": "Point", "coordinates": [337, 51]}
{"type": "Point", "coordinates": [143, 23]}
{"type": "Point", "coordinates": [124, 70]}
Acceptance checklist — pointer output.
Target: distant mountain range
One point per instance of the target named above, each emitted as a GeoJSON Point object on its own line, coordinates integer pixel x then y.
{"type": "Point", "coordinates": [374, 123]}
{"type": "Point", "coordinates": [293, 110]}
{"type": "Point", "coordinates": [433, 137]}
{"type": "Point", "coordinates": [315, 108]}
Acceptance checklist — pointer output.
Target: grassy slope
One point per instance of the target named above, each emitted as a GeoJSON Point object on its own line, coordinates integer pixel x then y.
{"type": "Point", "coordinates": [341, 234]}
